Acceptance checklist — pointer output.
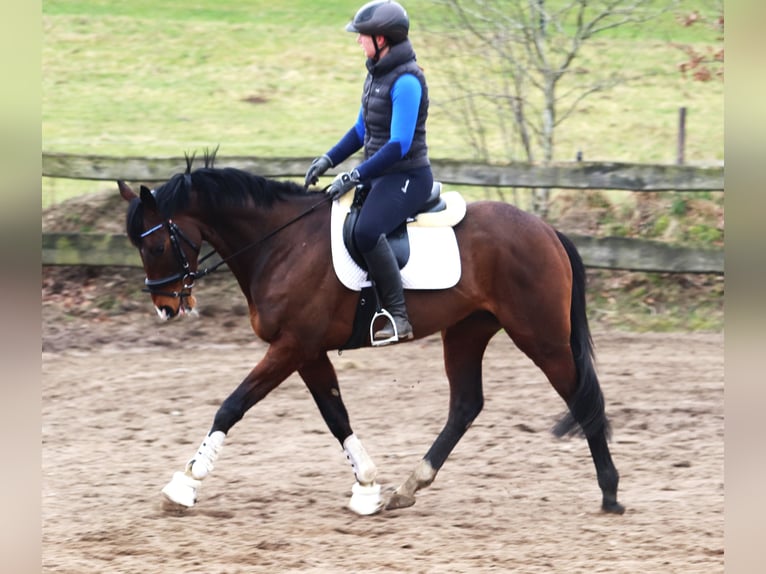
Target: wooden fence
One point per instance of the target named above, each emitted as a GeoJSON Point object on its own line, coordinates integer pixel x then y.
{"type": "Point", "coordinates": [609, 252]}
{"type": "Point", "coordinates": [604, 253]}
{"type": "Point", "coordinates": [574, 175]}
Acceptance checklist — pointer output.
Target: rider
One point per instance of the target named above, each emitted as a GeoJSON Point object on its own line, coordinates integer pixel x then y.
{"type": "Point", "coordinates": [391, 126]}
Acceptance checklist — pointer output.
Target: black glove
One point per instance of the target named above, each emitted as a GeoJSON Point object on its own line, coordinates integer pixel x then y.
{"type": "Point", "coordinates": [317, 168]}
{"type": "Point", "coordinates": [343, 183]}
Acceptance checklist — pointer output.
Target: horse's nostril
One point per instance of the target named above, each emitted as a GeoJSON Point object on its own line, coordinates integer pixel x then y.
{"type": "Point", "coordinates": [168, 311]}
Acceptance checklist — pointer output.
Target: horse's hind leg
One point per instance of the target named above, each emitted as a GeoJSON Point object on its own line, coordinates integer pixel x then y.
{"type": "Point", "coordinates": [606, 473]}
{"type": "Point", "coordinates": [464, 345]}
{"type": "Point", "coordinates": [574, 379]}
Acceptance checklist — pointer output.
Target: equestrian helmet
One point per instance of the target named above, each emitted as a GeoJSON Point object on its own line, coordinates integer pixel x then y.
{"type": "Point", "coordinates": [381, 18]}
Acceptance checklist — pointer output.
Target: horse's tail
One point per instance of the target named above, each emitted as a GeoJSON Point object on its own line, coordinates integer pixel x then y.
{"type": "Point", "coordinates": [586, 408]}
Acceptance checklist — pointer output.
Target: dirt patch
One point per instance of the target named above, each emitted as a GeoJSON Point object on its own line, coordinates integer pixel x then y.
{"type": "Point", "coordinates": [102, 212]}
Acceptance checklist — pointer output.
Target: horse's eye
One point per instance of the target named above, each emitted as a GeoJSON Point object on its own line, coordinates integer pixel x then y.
{"type": "Point", "coordinates": [156, 250]}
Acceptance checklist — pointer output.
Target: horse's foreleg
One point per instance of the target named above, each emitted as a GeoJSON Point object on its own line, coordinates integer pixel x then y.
{"type": "Point", "coordinates": [464, 345]}
{"type": "Point", "coordinates": [321, 380]}
{"type": "Point", "coordinates": [182, 488]}
{"type": "Point", "coordinates": [275, 367]}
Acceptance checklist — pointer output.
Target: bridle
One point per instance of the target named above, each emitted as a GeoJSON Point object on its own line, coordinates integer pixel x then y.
{"type": "Point", "coordinates": [185, 274]}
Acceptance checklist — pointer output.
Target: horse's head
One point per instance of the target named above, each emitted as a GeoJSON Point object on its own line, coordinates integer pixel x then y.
{"type": "Point", "coordinates": [169, 250]}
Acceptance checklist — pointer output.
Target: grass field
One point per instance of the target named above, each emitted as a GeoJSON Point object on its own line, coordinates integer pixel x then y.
{"type": "Point", "coordinates": [283, 79]}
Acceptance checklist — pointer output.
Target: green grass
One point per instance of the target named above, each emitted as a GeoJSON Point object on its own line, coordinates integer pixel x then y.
{"type": "Point", "coordinates": [323, 13]}
{"type": "Point", "coordinates": [283, 79]}
{"type": "Point", "coordinates": [657, 302]}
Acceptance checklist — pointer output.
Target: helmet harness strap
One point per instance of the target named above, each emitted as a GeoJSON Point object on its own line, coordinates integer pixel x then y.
{"type": "Point", "coordinates": [377, 48]}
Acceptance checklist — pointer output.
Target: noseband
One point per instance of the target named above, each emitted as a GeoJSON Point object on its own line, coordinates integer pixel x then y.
{"type": "Point", "coordinates": [184, 274]}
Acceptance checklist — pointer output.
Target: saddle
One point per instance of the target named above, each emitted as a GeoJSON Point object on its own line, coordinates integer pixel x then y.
{"type": "Point", "coordinates": [425, 248]}
{"type": "Point", "coordinates": [435, 212]}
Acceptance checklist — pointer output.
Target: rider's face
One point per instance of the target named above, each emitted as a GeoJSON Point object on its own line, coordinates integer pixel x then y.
{"type": "Point", "coordinates": [367, 44]}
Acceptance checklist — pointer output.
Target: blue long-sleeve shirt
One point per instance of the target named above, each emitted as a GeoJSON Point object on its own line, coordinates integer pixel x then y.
{"type": "Point", "coordinates": [406, 94]}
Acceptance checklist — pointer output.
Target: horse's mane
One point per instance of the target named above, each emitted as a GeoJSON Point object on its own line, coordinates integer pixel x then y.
{"type": "Point", "coordinates": [213, 188]}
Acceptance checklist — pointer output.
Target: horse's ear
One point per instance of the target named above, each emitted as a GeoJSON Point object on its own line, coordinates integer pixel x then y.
{"type": "Point", "coordinates": [147, 198]}
{"type": "Point", "coordinates": [125, 191]}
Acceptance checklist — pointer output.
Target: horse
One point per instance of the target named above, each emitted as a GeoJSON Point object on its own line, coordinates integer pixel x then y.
{"type": "Point", "coordinates": [518, 274]}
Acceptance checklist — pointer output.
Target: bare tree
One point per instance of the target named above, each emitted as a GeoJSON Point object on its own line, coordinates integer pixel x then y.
{"type": "Point", "coordinates": [522, 50]}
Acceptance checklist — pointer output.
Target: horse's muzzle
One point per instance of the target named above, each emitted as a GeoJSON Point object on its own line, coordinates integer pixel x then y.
{"type": "Point", "coordinates": [170, 308]}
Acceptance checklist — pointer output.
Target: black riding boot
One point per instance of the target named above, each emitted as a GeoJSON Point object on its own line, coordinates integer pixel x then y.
{"type": "Point", "coordinates": [384, 272]}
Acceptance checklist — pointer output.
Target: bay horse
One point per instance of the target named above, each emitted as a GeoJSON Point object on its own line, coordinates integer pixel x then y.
{"type": "Point", "coordinates": [519, 275]}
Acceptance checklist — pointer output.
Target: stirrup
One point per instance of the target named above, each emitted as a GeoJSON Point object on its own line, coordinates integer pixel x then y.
{"type": "Point", "coordinates": [393, 339]}
{"type": "Point", "coordinates": [380, 342]}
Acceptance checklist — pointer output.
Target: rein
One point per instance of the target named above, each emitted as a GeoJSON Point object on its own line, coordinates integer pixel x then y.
{"type": "Point", "coordinates": [189, 277]}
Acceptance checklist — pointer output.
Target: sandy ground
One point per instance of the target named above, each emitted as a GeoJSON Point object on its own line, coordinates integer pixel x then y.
{"type": "Point", "coordinates": [126, 401]}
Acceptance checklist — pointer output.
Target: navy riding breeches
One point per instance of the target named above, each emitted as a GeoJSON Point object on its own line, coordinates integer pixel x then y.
{"type": "Point", "coordinates": [392, 199]}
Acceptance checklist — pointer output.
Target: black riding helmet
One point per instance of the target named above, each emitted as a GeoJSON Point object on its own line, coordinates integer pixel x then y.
{"type": "Point", "coordinates": [381, 18]}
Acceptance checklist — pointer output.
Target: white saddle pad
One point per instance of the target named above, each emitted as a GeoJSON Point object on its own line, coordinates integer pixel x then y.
{"type": "Point", "coordinates": [434, 261]}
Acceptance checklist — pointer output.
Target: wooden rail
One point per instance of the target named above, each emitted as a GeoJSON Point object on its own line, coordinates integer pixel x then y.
{"type": "Point", "coordinates": [606, 253]}
{"type": "Point", "coordinates": [573, 175]}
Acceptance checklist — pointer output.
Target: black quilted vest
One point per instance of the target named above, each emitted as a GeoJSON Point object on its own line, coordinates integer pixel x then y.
{"type": "Point", "coordinates": [377, 105]}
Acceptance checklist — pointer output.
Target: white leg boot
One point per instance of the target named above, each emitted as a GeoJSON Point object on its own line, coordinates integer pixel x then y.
{"type": "Point", "coordinates": [182, 488]}
{"type": "Point", "coordinates": [365, 494]}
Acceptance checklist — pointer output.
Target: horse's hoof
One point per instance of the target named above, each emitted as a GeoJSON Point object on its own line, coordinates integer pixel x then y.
{"type": "Point", "coordinates": [365, 500]}
{"type": "Point", "coordinates": [181, 490]}
{"type": "Point", "coordinates": [397, 500]}
{"type": "Point", "coordinates": [613, 507]}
